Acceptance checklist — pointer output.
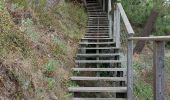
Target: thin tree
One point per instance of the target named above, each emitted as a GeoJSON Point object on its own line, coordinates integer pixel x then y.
{"type": "Point", "coordinates": [149, 25]}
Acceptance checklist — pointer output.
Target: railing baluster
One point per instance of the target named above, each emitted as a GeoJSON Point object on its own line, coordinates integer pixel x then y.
{"type": "Point", "coordinates": [110, 18]}
{"type": "Point", "coordinates": [159, 68]}
{"type": "Point", "coordinates": [130, 69]}
{"type": "Point", "coordinates": [104, 6]}
{"type": "Point", "coordinates": [159, 64]}
{"type": "Point", "coordinates": [117, 26]}
{"type": "Point", "coordinates": [85, 2]}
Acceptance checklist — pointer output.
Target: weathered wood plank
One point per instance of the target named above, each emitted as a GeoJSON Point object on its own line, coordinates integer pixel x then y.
{"type": "Point", "coordinates": [99, 69]}
{"type": "Point", "coordinates": [130, 70]}
{"type": "Point", "coordinates": [110, 17]}
{"type": "Point", "coordinates": [117, 26]}
{"type": "Point", "coordinates": [99, 89]}
{"type": "Point", "coordinates": [99, 99]}
{"type": "Point", "coordinates": [159, 70]}
{"type": "Point", "coordinates": [125, 19]}
{"type": "Point", "coordinates": [152, 38]}
{"type": "Point", "coordinates": [83, 78]}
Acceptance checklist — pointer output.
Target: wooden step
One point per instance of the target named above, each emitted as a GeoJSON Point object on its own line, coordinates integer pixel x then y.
{"type": "Point", "coordinates": [82, 78]}
{"type": "Point", "coordinates": [99, 99]}
{"type": "Point", "coordinates": [93, 7]}
{"type": "Point", "coordinates": [99, 89]}
{"type": "Point", "coordinates": [95, 10]}
{"type": "Point", "coordinates": [99, 69]}
{"type": "Point", "coordinates": [97, 43]}
{"type": "Point", "coordinates": [97, 17]}
{"type": "Point", "coordinates": [97, 13]}
{"type": "Point", "coordinates": [99, 48]}
{"type": "Point", "coordinates": [97, 26]}
{"type": "Point", "coordinates": [96, 34]}
{"type": "Point", "coordinates": [91, 3]}
{"type": "Point", "coordinates": [98, 22]}
{"type": "Point", "coordinates": [93, 34]}
{"type": "Point", "coordinates": [97, 38]}
{"type": "Point", "coordinates": [98, 31]}
{"type": "Point", "coordinates": [98, 61]}
{"type": "Point", "coordinates": [98, 55]}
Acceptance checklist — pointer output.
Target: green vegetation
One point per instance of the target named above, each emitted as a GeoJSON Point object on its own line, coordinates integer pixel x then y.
{"type": "Point", "coordinates": [51, 67]}
{"type": "Point", "coordinates": [143, 77]}
{"type": "Point", "coordinates": [28, 28]}
{"type": "Point", "coordinates": [35, 50]}
{"type": "Point", "coordinates": [138, 12]}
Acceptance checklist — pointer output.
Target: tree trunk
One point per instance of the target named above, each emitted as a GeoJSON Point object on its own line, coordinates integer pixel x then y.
{"type": "Point", "coordinates": [146, 31]}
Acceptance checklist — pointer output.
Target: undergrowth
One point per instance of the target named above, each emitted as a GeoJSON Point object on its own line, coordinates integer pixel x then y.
{"type": "Point", "coordinates": [143, 75]}
{"type": "Point", "coordinates": [40, 50]}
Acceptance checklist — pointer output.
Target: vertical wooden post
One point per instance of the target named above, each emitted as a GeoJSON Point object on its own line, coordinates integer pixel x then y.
{"type": "Point", "coordinates": [85, 2]}
{"type": "Point", "coordinates": [130, 69]}
{"type": "Point", "coordinates": [104, 5]}
{"type": "Point", "coordinates": [159, 68]}
{"type": "Point", "coordinates": [101, 2]}
{"type": "Point", "coordinates": [116, 33]}
{"type": "Point", "coordinates": [110, 18]}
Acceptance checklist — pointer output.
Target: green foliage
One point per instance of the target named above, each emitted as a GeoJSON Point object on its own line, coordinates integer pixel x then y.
{"type": "Point", "coordinates": [72, 84]}
{"type": "Point", "coordinates": [163, 25]}
{"type": "Point", "coordinates": [167, 63]}
{"type": "Point", "coordinates": [73, 19]}
{"type": "Point", "coordinates": [61, 47]}
{"type": "Point", "coordinates": [68, 17]}
{"type": "Point", "coordinates": [51, 66]}
{"type": "Point", "coordinates": [30, 3]}
{"type": "Point", "coordinates": [137, 10]}
{"type": "Point", "coordinates": [51, 83]}
{"type": "Point", "coordinates": [143, 77]}
{"type": "Point", "coordinates": [21, 3]}
{"type": "Point", "coordinates": [1, 5]}
{"type": "Point", "coordinates": [10, 38]}
{"type": "Point", "coordinates": [27, 27]}
{"type": "Point", "coordinates": [143, 91]}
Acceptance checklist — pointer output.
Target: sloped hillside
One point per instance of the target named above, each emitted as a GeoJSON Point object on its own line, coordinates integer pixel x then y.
{"type": "Point", "coordinates": [37, 48]}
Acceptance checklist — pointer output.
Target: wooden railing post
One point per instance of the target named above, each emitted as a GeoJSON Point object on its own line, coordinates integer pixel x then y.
{"type": "Point", "coordinates": [159, 68]}
{"type": "Point", "coordinates": [116, 34]}
{"type": "Point", "coordinates": [104, 5]}
{"type": "Point", "coordinates": [85, 2]}
{"type": "Point", "coordinates": [110, 18]}
{"type": "Point", "coordinates": [130, 69]}
{"type": "Point", "coordinates": [101, 2]}
{"type": "Point", "coordinates": [158, 65]}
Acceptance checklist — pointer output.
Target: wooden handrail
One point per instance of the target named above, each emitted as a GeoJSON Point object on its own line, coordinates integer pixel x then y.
{"type": "Point", "coordinates": [158, 63]}
{"type": "Point", "coordinates": [152, 38]}
{"type": "Point", "coordinates": [125, 19]}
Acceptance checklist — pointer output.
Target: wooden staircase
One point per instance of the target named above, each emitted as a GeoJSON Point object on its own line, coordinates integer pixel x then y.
{"type": "Point", "coordinates": [99, 71]}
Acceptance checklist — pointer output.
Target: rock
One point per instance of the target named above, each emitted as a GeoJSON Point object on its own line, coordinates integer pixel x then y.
{"type": "Point", "coordinates": [53, 96]}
